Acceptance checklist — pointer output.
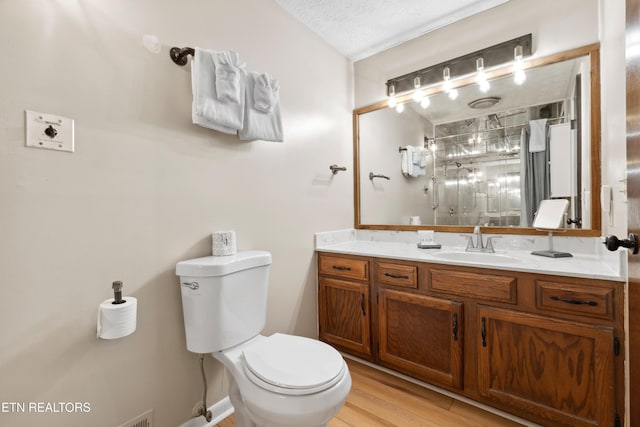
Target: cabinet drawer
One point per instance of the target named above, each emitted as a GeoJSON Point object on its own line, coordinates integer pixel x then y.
{"type": "Point", "coordinates": [481, 286]}
{"type": "Point", "coordinates": [344, 267]}
{"type": "Point", "coordinates": [396, 274]}
{"type": "Point", "coordinates": [575, 299]}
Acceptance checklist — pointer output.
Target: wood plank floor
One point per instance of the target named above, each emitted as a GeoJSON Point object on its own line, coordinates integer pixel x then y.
{"type": "Point", "coordinates": [380, 399]}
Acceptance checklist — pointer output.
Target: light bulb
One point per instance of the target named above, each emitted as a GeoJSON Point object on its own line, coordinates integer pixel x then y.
{"type": "Point", "coordinates": [446, 77]}
{"type": "Point", "coordinates": [417, 93]}
{"type": "Point", "coordinates": [425, 102]}
{"type": "Point", "coordinates": [481, 77]}
{"type": "Point", "coordinates": [400, 108]}
{"type": "Point", "coordinates": [519, 75]}
{"type": "Point", "coordinates": [453, 94]}
{"type": "Point", "coordinates": [392, 96]}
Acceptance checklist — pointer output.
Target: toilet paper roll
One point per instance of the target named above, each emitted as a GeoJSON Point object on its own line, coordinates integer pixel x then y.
{"type": "Point", "coordinates": [117, 320]}
{"type": "Point", "coordinates": [223, 243]}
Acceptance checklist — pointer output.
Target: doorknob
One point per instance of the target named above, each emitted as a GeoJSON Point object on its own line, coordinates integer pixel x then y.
{"type": "Point", "coordinates": [612, 243]}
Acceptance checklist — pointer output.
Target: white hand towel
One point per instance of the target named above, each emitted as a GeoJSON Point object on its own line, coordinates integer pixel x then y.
{"type": "Point", "coordinates": [228, 77]}
{"type": "Point", "coordinates": [423, 157]}
{"type": "Point", "coordinates": [262, 109]}
{"type": "Point", "coordinates": [208, 110]}
{"type": "Point", "coordinates": [419, 162]}
{"type": "Point", "coordinates": [406, 160]}
{"type": "Point", "coordinates": [537, 135]}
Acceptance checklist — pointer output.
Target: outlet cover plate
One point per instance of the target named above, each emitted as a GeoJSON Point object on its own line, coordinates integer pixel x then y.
{"type": "Point", "coordinates": [49, 132]}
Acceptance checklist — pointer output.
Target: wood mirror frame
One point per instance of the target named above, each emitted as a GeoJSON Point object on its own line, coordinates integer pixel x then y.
{"type": "Point", "coordinates": [593, 51]}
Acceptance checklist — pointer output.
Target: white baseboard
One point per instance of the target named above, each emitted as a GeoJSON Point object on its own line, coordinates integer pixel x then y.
{"type": "Point", "coordinates": [220, 410]}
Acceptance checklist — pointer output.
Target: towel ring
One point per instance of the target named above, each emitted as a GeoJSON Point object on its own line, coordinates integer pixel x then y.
{"type": "Point", "coordinates": [179, 56]}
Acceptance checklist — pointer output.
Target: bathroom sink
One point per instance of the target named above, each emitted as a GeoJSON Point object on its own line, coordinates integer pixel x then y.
{"type": "Point", "coordinates": [480, 257]}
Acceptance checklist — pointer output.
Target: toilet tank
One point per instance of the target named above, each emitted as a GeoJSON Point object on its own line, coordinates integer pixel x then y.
{"type": "Point", "coordinates": [224, 299]}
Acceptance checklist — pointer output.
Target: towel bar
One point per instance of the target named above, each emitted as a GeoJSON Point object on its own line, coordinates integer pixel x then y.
{"type": "Point", "coordinates": [179, 56]}
{"type": "Point", "coordinates": [372, 175]}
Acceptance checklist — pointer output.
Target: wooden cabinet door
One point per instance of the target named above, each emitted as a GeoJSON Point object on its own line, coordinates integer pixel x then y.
{"type": "Point", "coordinates": [557, 370]}
{"type": "Point", "coordinates": [343, 312]}
{"type": "Point", "coordinates": [421, 336]}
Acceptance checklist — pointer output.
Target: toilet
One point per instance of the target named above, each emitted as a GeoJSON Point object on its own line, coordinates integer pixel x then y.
{"type": "Point", "coordinates": [277, 380]}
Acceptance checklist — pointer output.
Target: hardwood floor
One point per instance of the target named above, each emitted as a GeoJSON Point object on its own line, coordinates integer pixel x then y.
{"type": "Point", "coordinates": [381, 399]}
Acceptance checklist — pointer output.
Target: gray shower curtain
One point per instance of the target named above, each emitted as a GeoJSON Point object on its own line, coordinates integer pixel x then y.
{"type": "Point", "coordinates": [536, 182]}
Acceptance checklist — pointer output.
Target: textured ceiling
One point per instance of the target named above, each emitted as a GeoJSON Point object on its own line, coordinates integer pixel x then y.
{"type": "Point", "coordinates": [361, 28]}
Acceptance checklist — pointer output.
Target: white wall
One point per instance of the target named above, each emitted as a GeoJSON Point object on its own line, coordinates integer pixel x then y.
{"type": "Point", "coordinates": [392, 201]}
{"type": "Point", "coordinates": [556, 26]}
{"type": "Point", "coordinates": [145, 188]}
{"type": "Point", "coordinates": [614, 112]}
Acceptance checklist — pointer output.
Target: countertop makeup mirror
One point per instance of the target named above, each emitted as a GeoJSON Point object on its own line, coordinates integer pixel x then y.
{"type": "Point", "coordinates": [549, 217]}
{"type": "Point", "coordinates": [479, 168]}
{"type": "Point", "coordinates": [550, 214]}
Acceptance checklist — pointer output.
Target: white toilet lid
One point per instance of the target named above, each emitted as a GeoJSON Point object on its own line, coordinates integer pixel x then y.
{"type": "Point", "coordinates": [293, 365]}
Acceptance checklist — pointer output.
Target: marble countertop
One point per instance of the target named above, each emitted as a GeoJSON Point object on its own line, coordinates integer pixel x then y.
{"type": "Point", "coordinates": [594, 264]}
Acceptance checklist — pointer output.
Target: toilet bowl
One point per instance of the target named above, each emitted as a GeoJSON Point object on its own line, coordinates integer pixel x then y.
{"type": "Point", "coordinates": [285, 380]}
{"type": "Point", "coordinates": [279, 380]}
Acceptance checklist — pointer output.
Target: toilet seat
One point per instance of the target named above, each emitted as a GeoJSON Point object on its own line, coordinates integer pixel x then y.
{"type": "Point", "coordinates": [293, 365]}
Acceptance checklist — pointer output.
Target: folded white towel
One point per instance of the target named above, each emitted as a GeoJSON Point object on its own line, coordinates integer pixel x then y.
{"type": "Point", "coordinates": [228, 78]}
{"type": "Point", "coordinates": [406, 160]}
{"type": "Point", "coordinates": [422, 162]}
{"type": "Point", "coordinates": [208, 110]}
{"type": "Point", "coordinates": [416, 156]}
{"type": "Point", "coordinates": [413, 161]}
{"type": "Point", "coordinates": [262, 109]}
{"type": "Point", "coordinates": [537, 135]}
{"type": "Point", "coordinates": [419, 165]}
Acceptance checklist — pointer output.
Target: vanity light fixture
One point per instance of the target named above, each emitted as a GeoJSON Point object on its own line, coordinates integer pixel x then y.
{"type": "Point", "coordinates": [425, 102]}
{"type": "Point", "coordinates": [519, 75]}
{"type": "Point", "coordinates": [399, 108]}
{"type": "Point", "coordinates": [464, 70]}
{"type": "Point", "coordinates": [481, 76]}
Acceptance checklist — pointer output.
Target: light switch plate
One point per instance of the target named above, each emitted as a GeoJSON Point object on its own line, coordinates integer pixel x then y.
{"type": "Point", "coordinates": [49, 131]}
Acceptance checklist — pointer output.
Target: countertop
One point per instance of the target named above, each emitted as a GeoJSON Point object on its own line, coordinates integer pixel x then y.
{"type": "Point", "coordinates": [595, 265]}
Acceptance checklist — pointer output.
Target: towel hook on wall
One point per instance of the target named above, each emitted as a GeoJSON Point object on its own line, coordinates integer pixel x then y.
{"type": "Point", "coordinates": [179, 55]}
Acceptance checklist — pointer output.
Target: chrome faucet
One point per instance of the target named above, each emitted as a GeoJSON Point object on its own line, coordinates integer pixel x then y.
{"type": "Point", "coordinates": [479, 245]}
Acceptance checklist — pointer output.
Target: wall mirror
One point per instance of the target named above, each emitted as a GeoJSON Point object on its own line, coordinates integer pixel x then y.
{"type": "Point", "coordinates": [485, 159]}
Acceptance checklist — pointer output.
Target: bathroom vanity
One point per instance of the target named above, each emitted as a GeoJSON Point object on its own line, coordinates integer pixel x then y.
{"type": "Point", "coordinates": [542, 339]}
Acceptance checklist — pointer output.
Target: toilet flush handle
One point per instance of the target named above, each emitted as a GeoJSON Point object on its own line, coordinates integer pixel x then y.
{"type": "Point", "coordinates": [192, 285]}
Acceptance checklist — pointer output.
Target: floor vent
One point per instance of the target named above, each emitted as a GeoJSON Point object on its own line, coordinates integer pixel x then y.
{"type": "Point", "coordinates": [143, 420]}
